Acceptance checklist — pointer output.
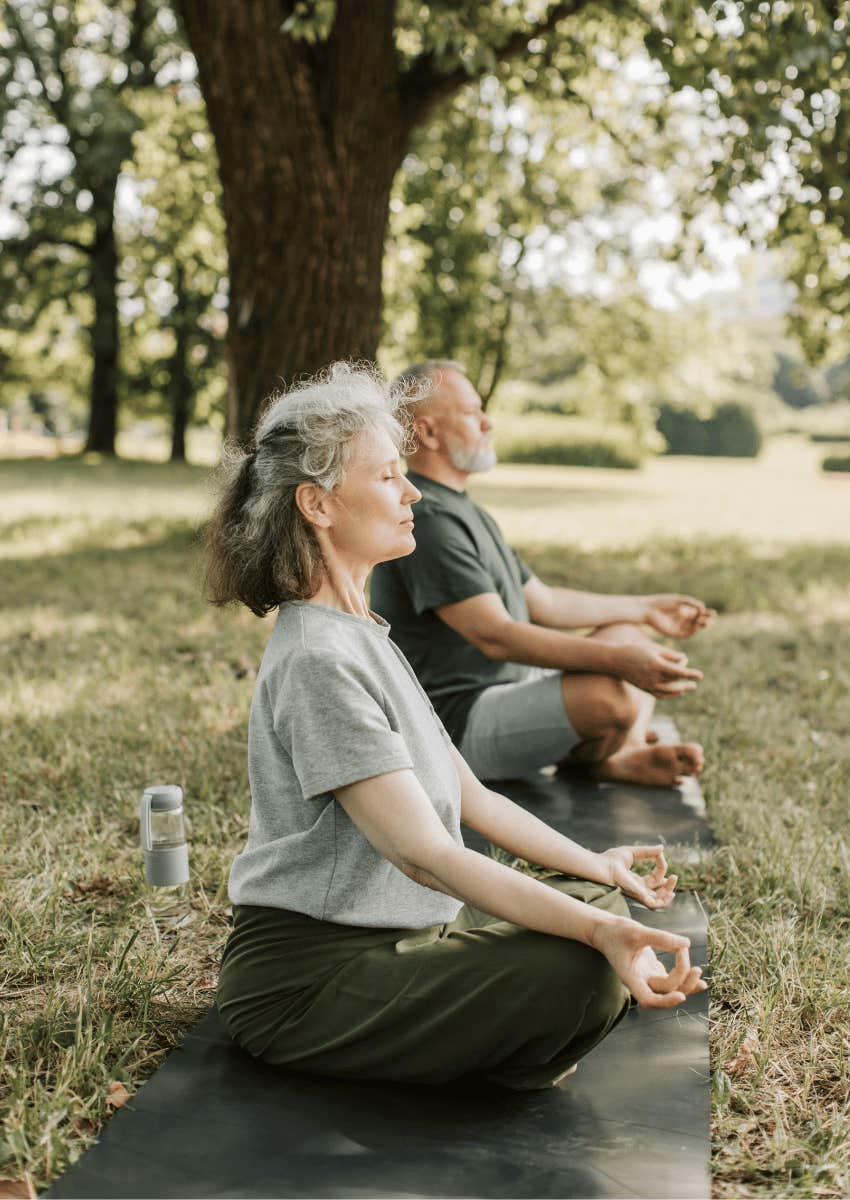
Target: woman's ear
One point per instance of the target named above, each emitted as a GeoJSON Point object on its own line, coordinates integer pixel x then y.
{"type": "Point", "coordinates": [312, 503]}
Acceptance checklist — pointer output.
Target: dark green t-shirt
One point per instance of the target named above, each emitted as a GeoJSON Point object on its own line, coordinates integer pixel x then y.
{"type": "Point", "coordinates": [460, 552]}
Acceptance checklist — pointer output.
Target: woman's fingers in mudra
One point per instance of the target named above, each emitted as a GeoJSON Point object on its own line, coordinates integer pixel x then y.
{"type": "Point", "coordinates": [655, 890]}
{"type": "Point", "coordinates": [660, 895]}
{"type": "Point", "coordinates": [630, 949]}
{"type": "Point", "coordinates": [656, 987]}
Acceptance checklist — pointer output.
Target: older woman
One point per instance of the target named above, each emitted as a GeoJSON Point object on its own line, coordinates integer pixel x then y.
{"type": "Point", "coordinates": [367, 941]}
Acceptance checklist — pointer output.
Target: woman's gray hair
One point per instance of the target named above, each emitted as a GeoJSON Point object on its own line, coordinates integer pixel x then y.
{"type": "Point", "coordinates": [260, 549]}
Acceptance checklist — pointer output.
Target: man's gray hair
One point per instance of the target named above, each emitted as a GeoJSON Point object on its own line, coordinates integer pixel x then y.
{"type": "Point", "coordinates": [259, 547]}
{"type": "Point", "coordinates": [418, 381]}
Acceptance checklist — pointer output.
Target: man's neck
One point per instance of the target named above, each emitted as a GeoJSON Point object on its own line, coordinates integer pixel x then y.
{"type": "Point", "coordinates": [440, 471]}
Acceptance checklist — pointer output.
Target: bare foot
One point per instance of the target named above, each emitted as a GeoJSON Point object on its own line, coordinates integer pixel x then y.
{"type": "Point", "coordinates": [655, 766]}
{"type": "Point", "coordinates": [651, 736]}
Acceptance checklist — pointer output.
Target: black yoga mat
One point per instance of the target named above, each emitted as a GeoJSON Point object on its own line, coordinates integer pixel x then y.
{"type": "Point", "coordinates": [632, 1121]}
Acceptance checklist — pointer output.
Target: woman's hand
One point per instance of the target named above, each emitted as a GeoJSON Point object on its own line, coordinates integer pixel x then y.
{"type": "Point", "coordinates": [628, 946]}
{"type": "Point", "coordinates": [655, 890]}
{"type": "Point", "coordinates": [677, 616]}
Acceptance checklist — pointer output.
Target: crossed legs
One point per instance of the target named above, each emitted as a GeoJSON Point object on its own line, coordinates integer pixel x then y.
{"type": "Point", "coordinates": [612, 719]}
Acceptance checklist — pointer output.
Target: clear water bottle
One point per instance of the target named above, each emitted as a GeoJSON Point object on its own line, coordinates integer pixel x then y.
{"type": "Point", "coordinates": [163, 836]}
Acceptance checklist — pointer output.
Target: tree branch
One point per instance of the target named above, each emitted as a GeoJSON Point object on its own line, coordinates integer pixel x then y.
{"type": "Point", "coordinates": [137, 51]}
{"type": "Point", "coordinates": [58, 107]}
{"type": "Point", "coordinates": [423, 85]}
{"type": "Point", "coordinates": [21, 247]}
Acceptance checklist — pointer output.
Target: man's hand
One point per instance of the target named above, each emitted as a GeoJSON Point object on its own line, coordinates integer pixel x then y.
{"type": "Point", "coordinates": [655, 890]}
{"type": "Point", "coordinates": [628, 946]}
{"type": "Point", "coordinates": [656, 669]}
{"type": "Point", "coordinates": [677, 616]}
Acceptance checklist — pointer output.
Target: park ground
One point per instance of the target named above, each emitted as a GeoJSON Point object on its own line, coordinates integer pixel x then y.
{"type": "Point", "coordinates": [117, 675]}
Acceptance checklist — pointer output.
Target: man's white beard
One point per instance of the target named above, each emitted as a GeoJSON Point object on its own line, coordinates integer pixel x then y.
{"type": "Point", "coordinates": [482, 458]}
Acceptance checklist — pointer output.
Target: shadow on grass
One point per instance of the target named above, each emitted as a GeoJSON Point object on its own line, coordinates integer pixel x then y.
{"type": "Point", "coordinates": [101, 572]}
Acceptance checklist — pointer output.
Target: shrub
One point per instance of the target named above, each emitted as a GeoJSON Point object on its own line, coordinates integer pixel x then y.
{"type": "Point", "coordinates": [554, 442]}
{"type": "Point", "coordinates": [829, 437]}
{"type": "Point", "coordinates": [683, 431]}
{"type": "Point", "coordinates": [836, 462]}
{"type": "Point", "coordinates": [731, 431]}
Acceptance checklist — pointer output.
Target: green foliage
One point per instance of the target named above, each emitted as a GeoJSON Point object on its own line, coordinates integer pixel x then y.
{"type": "Point", "coordinates": [777, 77]}
{"type": "Point", "coordinates": [566, 442]}
{"type": "Point", "coordinates": [570, 453]}
{"type": "Point", "coordinates": [174, 263]}
{"type": "Point", "coordinates": [836, 462]}
{"type": "Point", "coordinates": [795, 384]}
{"type": "Point", "coordinates": [731, 431]}
{"type": "Point", "coordinates": [67, 78]}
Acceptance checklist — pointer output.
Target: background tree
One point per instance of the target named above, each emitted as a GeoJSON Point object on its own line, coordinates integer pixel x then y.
{"type": "Point", "coordinates": [313, 103]}
{"type": "Point", "coordinates": [508, 192]}
{"type": "Point", "coordinates": [777, 77]}
{"type": "Point", "coordinates": [66, 128]}
{"type": "Point", "coordinates": [312, 106]}
{"type": "Point", "coordinates": [173, 268]}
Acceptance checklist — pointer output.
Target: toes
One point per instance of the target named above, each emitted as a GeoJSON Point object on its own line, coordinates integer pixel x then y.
{"type": "Point", "coordinates": [689, 759]}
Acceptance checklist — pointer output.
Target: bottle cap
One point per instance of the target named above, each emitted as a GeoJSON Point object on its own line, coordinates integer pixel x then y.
{"type": "Point", "coordinates": [165, 797]}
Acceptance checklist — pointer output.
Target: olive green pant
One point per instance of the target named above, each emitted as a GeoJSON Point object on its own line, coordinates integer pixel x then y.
{"type": "Point", "coordinates": [475, 997]}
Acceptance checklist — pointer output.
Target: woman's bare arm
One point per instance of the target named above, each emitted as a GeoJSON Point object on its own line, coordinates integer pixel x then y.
{"type": "Point", "coordinates": [395, 815]}
{"type": "Point", "coordinates": [508, 825]}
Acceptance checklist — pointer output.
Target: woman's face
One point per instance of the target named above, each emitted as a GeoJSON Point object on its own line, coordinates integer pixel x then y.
{"type": "Point", "coordinates": [371, 508]}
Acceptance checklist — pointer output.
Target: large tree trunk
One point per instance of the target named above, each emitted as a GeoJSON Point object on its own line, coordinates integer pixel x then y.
{"type": "Point", "coordinates": [179, 376]}
{"type": "Point", "coordinates": [306, 191]}
{"type": "Point", "coordinates": [103, 413]}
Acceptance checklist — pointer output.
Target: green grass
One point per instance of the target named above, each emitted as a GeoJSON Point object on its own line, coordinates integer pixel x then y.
{"type": "Point", "coordinates": [117, 675]}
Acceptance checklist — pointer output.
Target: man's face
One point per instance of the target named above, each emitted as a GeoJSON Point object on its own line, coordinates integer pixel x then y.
{"type": "Point", "coordinates": [457, 417]}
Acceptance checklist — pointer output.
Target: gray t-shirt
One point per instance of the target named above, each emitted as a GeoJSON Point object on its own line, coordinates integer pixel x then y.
{"type": "Point", "coordinates": [335, 702]}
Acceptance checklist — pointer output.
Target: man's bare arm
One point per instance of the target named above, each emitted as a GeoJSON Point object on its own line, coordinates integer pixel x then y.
{"type": "Point", "coordinates": [485, 622]}
{"type": "Point", "coordinates": [669, 613]}
{"type": "Point", "coordinates": [564, 608]}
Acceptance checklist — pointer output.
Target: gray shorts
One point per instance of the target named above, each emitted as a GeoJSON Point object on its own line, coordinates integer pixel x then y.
{"type": "Point", "coordinates": [513, 729]}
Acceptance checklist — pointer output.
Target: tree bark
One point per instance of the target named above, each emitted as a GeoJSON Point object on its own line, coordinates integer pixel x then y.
{"type": "Point", "coordinates": [179, 376]}
{"type": "Point", "coordinates": [103, 334]}
{"type": "Point", "coordinates": [309, 139]}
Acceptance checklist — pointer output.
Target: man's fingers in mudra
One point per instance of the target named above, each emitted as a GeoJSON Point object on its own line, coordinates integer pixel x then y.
{"type": "Point", "coordinates": [672, 691]}
{"type": "Point", "coordinates": [673, 656]}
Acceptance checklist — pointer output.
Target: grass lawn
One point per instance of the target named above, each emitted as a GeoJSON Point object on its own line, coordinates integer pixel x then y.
{"type": "Point", "coordinates": [118, 675]}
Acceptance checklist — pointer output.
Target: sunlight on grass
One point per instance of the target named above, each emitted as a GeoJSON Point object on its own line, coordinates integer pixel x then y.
{"type": "Point", "coordinates": [118, 675]}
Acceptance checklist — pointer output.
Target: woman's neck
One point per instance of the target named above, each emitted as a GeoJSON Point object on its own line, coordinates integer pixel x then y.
{"type": "Point", "coordinates": [344, 589]}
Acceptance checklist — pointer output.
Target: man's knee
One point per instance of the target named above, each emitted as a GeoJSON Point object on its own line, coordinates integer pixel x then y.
{"type": "Point", "coordinates": [605, 711]}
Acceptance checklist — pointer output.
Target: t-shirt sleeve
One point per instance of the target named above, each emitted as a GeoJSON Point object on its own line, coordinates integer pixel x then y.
{"type": "Point", "coordinates": [329, 718]}
{"type": "Point", "coordinates": [445, 567]}
{"type": "Point", "coordinates": [525, 571]}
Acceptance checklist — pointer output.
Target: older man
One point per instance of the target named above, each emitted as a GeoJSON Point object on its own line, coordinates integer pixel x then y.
{"type": "Point", "coordinates": [486, 636]}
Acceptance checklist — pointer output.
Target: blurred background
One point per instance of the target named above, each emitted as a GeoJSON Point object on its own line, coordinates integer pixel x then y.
{"type": "Point", "coordinates": [630, 222]}
{"type": "Point", "coordinates": [634, 250]}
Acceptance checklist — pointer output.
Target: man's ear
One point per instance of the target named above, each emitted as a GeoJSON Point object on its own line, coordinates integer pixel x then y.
{"type": "Point", "coordinates": [313, 504]}
{"type": "Point", "coordinates": [424, 426]}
